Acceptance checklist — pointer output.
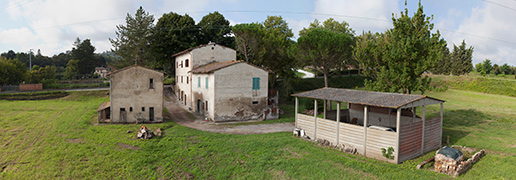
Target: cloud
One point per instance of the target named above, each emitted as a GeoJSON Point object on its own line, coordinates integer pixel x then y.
{"type": "Point", "coordinates": [364, 15]}
{"type": "Point", "coordinates": [490, 30]}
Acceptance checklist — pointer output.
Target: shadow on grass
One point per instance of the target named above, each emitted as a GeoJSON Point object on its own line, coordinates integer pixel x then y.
{"type": "Point", "coordinates": [457, 123]}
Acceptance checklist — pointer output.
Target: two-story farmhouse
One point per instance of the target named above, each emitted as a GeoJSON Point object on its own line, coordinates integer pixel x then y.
{"type": "Point", "coordinates": [136, 95]}
{"type": "Point", "coordinates": [211, 82]}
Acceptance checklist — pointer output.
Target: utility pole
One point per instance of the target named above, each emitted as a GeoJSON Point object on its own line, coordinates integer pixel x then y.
{"type": "Point", "coordinates": [30, 58]}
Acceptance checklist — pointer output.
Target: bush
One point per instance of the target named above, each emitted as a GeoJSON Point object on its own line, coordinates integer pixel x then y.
{"type": "Point", "coordinates": [336, 82]}
{"type": "Point", "coordinates": [309, 105]}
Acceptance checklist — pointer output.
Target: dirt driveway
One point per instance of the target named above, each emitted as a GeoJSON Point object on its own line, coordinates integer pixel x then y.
{"type": "Point", "coordinates": [179, 115]}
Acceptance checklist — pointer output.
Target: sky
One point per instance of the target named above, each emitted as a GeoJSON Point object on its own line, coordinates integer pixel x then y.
{"type": "Point", "coordinates": [53, 25]}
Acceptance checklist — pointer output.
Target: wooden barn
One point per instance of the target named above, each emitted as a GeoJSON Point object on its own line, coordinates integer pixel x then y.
{"type": "Point", "coordinates": [373, 121]}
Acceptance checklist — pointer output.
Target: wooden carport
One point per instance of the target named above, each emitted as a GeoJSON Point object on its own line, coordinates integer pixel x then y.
{"type": "Point", "coordinates": [408, 134]}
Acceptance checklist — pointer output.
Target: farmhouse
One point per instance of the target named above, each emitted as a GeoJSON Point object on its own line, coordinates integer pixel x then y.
{"type": "Point", "coordinates": [136, 95]}
{"type": "Point", "coordinates": [374, 121]}
{"type": "Point", "coordinates": [212, 83]}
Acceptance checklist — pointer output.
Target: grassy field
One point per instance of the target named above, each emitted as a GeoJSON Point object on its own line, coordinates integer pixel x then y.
{"type": "Point", "coordinates": [57, 139]}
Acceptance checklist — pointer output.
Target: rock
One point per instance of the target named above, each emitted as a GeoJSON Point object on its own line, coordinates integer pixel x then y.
{"type": "Point", "coordinates": [157, 132]}
{"type": "Point", "coordinates": [129, 131]}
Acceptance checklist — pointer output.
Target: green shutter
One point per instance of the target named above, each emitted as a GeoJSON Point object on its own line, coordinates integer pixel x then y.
{"type": "Point", "coordinates": [206, 82]}
{"type": "Point", "coordinates": [256, 83]}
{"type": "Point", "coordinates": [199, 82]}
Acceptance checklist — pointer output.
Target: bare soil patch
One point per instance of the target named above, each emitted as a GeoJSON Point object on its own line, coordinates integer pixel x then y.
{"type": "Point", "coordinates": [127, 146]}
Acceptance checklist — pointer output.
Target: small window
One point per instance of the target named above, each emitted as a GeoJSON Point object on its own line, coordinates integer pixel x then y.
{"type": "Point", "coordinates": [212, 48]}
{"type": "Point", "coordinates": [186, 63]}
{"type": "Point", "coordinates": [131, 109]}
{"type": "Point", "coordinates": [151, 83]}
{"type": "Point", "coordinates": [255, 102]}
{"type": "Point", "coordinates": [177, 64]}
{"type": "Point", "coordinates": [181, 79]}
{"type": "Point", "coordinates": [143, 109]}
{"type": "Point", "coordinates": [206, 82]}
{"type": "Point", "coordinates": [122, 109]}
{"type": "Point", "coordinates": [206, 105]}
{"type": "Point", "coordinates": [256, 83]}
{"type": "Point", "coordinates": [198, 82]}
{"type": "Point", "coordinates": [187, 79]}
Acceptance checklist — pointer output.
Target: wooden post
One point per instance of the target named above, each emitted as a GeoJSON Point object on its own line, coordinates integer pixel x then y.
{"type": "Point", "coordinates": [423, 131]}
{"type": "Point", "coordinates": [324, 111]}
{"type": "Point", "coordinates": [338, 122]}
{"type": "Point", "coordinates": [366, 113]}
{"type": "Point", "coordinates": [295, 115]}
{"type": "Point", "coordinates": [349, 113]}
{"type": "Point", "coordinates": [397, 150]}
{"type": "Point", "coordinates": [315, 119]}
{"type": "Point", "coordinates": [413, 114]}
{"type": "Point", "coordinates": [441, 130]}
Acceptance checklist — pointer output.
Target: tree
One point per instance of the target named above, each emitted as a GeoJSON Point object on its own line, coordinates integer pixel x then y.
{"type": "Point", "coordinates": [324, 49]}
{"type": "Point", "coordinates": [84, 53]}
{"type": "Point", "coordinates": [461, 59]}
{"type": "Point", "coordinates": [331, 25]}
{"type": "Point", "coordinates": [215, 28]}
{"type": "Point", "coordinates": [38, 75]}
{"type": "Point", "coordinates": [478, 67]}
{"type": "Point", "coordinates": [247, 39]}
{"type": "Point", "coordinates": [72, 69]}
{"type": "Point", "coordinates": [9, 54]}
{"type": "Point", "coordinates": [396, 59]}
{"type": "Point", "coordinates": [12, 71]}
{"type": "Point", "coordinates": [443, 65]}
{"type": "Point", "coordinates": [506, 69]}
{"type": "Point", "coordinates": [172, 34]}
{"type": "Point", "coordinates": [496, 69]}
{"type": "Point", "coordinates": [132, 40]}
{"type": "Point", "coordinates": [486, 67]}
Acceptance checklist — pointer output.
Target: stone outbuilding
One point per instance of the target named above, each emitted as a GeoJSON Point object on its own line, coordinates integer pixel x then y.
{"type": "Point", "coordinates": [373, 123]}
{"type": "Point", "coordinates": [136, 96]}
{"type": "Point", "coordinates": [211, 82]}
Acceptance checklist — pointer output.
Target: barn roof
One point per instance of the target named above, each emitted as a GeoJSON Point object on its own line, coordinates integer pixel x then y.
{"type": "Point", "coordinates": [371, 98]}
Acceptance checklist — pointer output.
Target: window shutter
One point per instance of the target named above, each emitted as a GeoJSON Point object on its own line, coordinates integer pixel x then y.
{"type": "Point", "coordinates": [256, 83]}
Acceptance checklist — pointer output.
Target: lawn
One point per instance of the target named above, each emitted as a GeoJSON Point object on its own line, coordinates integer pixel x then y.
{"type": "Point", "coordinates": [57, 139]}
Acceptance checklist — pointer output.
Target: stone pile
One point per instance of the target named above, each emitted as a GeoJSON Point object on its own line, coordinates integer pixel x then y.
{"type": "Point", "coordinates": [450, 161]}
{"type": "Point", "coordinates": [145, 133]}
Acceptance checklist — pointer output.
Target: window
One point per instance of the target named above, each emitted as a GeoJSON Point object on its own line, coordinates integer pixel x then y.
{"type": "Point", "coordinates": [181, 79]}
{"type": "Point", "coordinates": [198, 82]}
{"type": "Point", "coordinates": [186, 63]}
{"type": "Point", "coordinates": [256, 83]}
{"type": "Point", "coordinates": [177, 64]}
{"type": "Point", "coordinates": [187, 79]}
{"type": "Point", "coordinates": [131, 109]}
{"type": "Point", "coordinates": [255, 102]}
{"type": "Point", "coordinates": [206, 82]}
{"type": "Point", "coordinates": [151, 83]}
{"type": "Point", "coordinates": [122, 109]}
{"type": "Point", "coordinates": [206, 105]}
{"type": "Point", "coordinates": [143, 109]}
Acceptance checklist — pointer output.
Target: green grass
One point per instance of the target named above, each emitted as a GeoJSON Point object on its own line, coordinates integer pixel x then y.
{"type": "Point", "coordinates": [56, 139]}
{"type": "Point", "coordinates": [490, 85]}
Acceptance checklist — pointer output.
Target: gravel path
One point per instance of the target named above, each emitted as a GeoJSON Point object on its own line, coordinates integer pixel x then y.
{"type": "Point", "coordinates": [179, 115]}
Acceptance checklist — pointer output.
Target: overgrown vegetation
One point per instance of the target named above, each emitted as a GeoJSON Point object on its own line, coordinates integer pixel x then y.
{"type": "Point", "coordinates": [490, 85]}
{"type": "Point", "coordinates": [33, 95]}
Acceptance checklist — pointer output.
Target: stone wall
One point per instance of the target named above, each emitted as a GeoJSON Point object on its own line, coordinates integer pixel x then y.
{"type": "Point", "coordinates": [31, 87]}
{"type": "Point", "coordinates": [449, 166]}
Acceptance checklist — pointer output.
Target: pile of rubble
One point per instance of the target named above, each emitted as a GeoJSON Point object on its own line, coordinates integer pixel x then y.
{"type": "Point", "coordinates": [145, 133]}
{"type": "Point", "coordinates": [450, 161]}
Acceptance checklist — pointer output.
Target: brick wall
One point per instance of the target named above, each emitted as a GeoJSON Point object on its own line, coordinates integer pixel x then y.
{"type": "Point", "coordinates": [31, 87]}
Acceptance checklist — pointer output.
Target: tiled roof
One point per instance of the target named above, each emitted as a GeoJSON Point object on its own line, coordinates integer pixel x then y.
{"type": "Point", "coordinates": [190, 49]}
{"type": "Point", "coordinates": [104, 106]}
{"type": "Point", "coordinates": [379, 99]}
{"type": "Point", "coordinates": [208, 68]}
{"type": "Point", "coordinates": [129, 67]}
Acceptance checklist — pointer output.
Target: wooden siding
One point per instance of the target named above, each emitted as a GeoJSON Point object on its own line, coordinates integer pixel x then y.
{"type": "Point", "coordinates": [410, 140]}
{"type": "Point", "coordinates": [376, 140]}
{"type": "Point", "coordinates": [433, 134]}
{"type": "Point", "coordinates": [327, 129]}
{"type": "Point", "coordinates": [306, 123]}
{"type": "Point", "coordinates": [352, 135]}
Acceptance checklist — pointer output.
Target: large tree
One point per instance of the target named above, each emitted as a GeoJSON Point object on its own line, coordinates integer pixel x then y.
{"type": "Point", "coordinates": [173, 33]}
{"type": "Point", "coordinates": [215, 28]}
{"type": "Point", "coordinates": [132, 40]}
{"type": "Point", "coordinates": [325, 47]}
{"type": "Point", "coordinates": [84, 52]}
{"type": "Point", "coordinates": [247, 39]}
{"type": "Point", "coordinates": [397, 58]}
{"type": "Point", "coordinates": [443, 65]}
{"type": "Point", "coordinates": [461, 59]}
{"type": "Point", "coordinates": [12, 71]}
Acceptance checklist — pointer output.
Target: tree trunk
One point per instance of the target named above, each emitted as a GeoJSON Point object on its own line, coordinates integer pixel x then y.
{"type": "Point", "coordinates": [325, 72]}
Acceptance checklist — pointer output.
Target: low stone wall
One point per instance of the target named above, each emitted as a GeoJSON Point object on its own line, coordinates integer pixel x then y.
{"type": "Point", "coordinates": [455, 168]}
{"type": "Point", "coordinates": [31, 87]}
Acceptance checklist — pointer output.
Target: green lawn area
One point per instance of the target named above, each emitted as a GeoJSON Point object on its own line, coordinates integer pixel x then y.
{"type": "Point", "coordinates": [56, 139]}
